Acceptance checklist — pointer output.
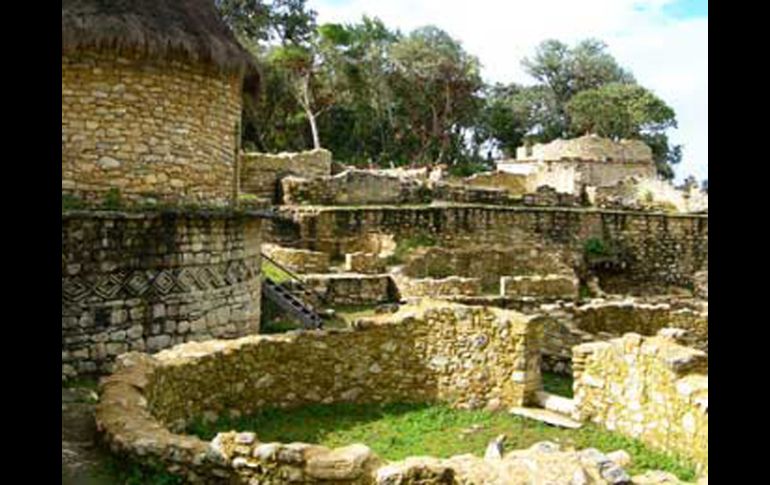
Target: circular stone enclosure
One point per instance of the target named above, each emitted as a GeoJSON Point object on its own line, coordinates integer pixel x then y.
{"type": "Point", "coordinates": [470, 357]}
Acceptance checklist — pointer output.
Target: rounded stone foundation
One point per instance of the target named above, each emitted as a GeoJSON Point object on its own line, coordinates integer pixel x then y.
{"type": "Point", "coordinates": [471, 357]}
{"type": "Point", "coordinates": [148, 280]}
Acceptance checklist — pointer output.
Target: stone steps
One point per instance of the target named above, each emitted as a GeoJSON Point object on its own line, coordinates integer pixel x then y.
{"type": "Point", "coordinates": [558, 404]}
{"type": "Point", "coordinates": [546, 416]}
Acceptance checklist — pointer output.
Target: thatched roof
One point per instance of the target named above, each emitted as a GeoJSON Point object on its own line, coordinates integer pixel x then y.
{"type": "Point", "coordinates": [191, 29]}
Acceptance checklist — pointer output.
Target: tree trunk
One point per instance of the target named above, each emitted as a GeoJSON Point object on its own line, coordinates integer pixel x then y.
{"type": "Point", "coordinates": [313, 129]}
{"type": "Point", "coordinates": [307, 105]}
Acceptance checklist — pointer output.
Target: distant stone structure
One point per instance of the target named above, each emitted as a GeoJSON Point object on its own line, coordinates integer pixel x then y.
{"type": "Point", "coordinates": [570, 165]}
{"type": "Point", "coordinates": [151, 100]}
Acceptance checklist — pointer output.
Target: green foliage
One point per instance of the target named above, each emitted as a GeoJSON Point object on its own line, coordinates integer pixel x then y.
{"type": "Point", "coordinates": [396, 431]}
{"type": "Point", "coordinates": [558, 384]}
{"type": "Point", "coordinates": [274, 272]}
{"type": "Point", "coordinates": [619, 111]}
{"type": "Point", "coordinates": [72, 202]}
{"type": "Point", "coordinates": [112, 200]}
{"type": "Point", "coordinates": [377, 97]}
{"type": "Point", "coordinates": [595, 247]}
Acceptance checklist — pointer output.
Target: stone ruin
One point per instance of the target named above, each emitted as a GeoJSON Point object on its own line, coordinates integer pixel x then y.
{"type": "Point", "coordinates": [556, 262]}
{"type": "Point", "coordinates": [467, 356]}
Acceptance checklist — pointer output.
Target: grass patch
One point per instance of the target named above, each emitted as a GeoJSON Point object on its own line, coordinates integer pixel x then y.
{"type": "Point", "coordinates": [395, 431]}
{"type": "Point", "coordinates": [274, 272]}
{"type": "Point", "coordinates": [351, 313]}
{"type": "Point", "coordinates": [90, 383]}
{"type": "Point", "coordinates": [558, 384]}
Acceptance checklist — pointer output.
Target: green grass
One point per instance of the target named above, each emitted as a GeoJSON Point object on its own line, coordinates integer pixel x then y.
{"type": "Point", "coordinates": [350, 313]}
{"type": "Point", "coordinates": [273, 272]}
{"type": "Point", "coordinates": [395, 431]}
{"type": "Point", "coordinates": [558, 384]}
{"type": "Point", "coordinates": [90, 383]}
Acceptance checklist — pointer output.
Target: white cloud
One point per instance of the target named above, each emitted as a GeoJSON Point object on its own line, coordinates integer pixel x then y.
{"type": "Point", "coordinates": [667, 55]}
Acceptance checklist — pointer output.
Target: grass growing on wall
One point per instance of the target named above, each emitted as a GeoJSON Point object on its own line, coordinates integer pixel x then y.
{"type": "Point", "coordinates": [395, 431]}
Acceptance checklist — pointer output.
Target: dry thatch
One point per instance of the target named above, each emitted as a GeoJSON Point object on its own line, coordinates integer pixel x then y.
{"type": "Point", "coordinates": [191, 29]}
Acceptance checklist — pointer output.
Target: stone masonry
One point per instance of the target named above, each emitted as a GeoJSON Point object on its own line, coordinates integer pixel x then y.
{"type": "Point", "coordinates": [470, 357]}
{"type": "Point", "coordinates": [151, 129]}
{"type": "Point", "coordinates": [260, 173]}
{"type": "Point", "coordinates": [648, 388]}
{"type": "Point", "coordinates": [147, 281]}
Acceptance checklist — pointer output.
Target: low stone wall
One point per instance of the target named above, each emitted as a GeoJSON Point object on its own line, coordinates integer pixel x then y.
{"type": "Point", "coordinates": [701, 284]}
{"type": "Point", "coordinates": [656, 249]}
{"type": "Point", "coordinates": [649, 388]}
{"type": "Point", "coordinates": [513, 183]}
{"type": "Point", "coordinates": [260, 173]}
{"type": "Point", "coordinates": [298, 260]}
{"type": "Point", "coordinates": [366, 263]}
{"type": "Point", "coordinates": [351, 288]}
{"type": "Point", "coordinates": [465, 194]}
{"type": "Point", "coordinates": [651, 194]}
{"type": "Point", "coordinates": [549, 286]}
{"type": "Point", "coordinates": [438, 287]}
{"type": "Point", "coordinates": [470, 357]}
{"type": "Point", "coordinates": [487, 262]}
{"type": "Point", "coordinates": [567, 324]}
{"type": "Point", "coordinates": [147, 281]}
{"type": "Point", "coordinates": [354, 187]}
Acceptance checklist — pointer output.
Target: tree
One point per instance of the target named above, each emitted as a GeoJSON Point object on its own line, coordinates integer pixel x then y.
{"type": "Point", "coordinates": [627, 111]}
{"type": "Point", "coordinates": [436, 86]}
{"type": "Point", "coordinates": [565, 71]}
{"type": "Point", "coordinates": [501, 119]}
{"type": "Point", "coordinates": [705, 186]}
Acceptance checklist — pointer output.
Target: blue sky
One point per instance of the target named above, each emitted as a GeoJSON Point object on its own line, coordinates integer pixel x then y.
{"type": "Point", "coordinates": [663, 42]}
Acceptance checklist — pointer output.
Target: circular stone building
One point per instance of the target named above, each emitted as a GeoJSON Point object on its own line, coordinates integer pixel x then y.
{"type": "Point", "coordinates": [151, 100]}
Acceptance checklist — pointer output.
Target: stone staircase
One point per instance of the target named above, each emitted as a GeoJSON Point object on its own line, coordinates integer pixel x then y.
{"type": "Point", "coordinates": [293, 297]}
{"type": "Point", "coordinates": [554, 410]}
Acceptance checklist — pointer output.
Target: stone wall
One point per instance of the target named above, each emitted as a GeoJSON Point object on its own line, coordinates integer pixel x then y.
{"type": "Point", "coordinates": [366, 263]}
{"type": "Point", "coordinates": [513, 183]}
{"type": "Point", "coordinates": [567, 324]}
{"type": "Point", "coordinates": [147, 281]}
{"type": "Point", "coordinates": [651, 194]}
{"type": "Point", "coordinates": [486, 262]}
{"type": "Point", "coordinates": [438, 287]}
{"type": "Point", "coordinates": [648, 388]}
{"type": "Point", "coordinates": [298, 260]}
{"type": "Point", "coordinates": [353, 187]}
{"type": "Point", "coordinates": [470, 357]}
{"type": "Point", "coordinates": [260, 173]}
{"type": "Point", "coordinates": [152, 130]}
{"type": "Point", "coordinates": [547, 285]}
{"type": "Point", "coordinates": [352, 289]}
{"type": "Point", "coordinates": [662, 249]}
{"type": "Point", "coordinates": [701, 279]}
{"type": "Point", "coordinates": [589, 147]}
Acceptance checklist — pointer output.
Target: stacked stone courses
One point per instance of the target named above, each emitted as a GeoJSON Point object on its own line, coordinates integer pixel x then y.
{"type": "Point", "coordinates": [152, 129]}
{"type": "Point", "coordinates": [146, 281]}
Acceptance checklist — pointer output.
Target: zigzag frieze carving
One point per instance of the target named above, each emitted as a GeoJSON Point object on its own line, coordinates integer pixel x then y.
{"type": "Point", "coordinates": [157, 282]}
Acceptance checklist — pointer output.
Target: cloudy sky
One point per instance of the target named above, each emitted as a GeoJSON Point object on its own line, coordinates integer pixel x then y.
{"type": "Point", "coordinates": [663, 42]}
